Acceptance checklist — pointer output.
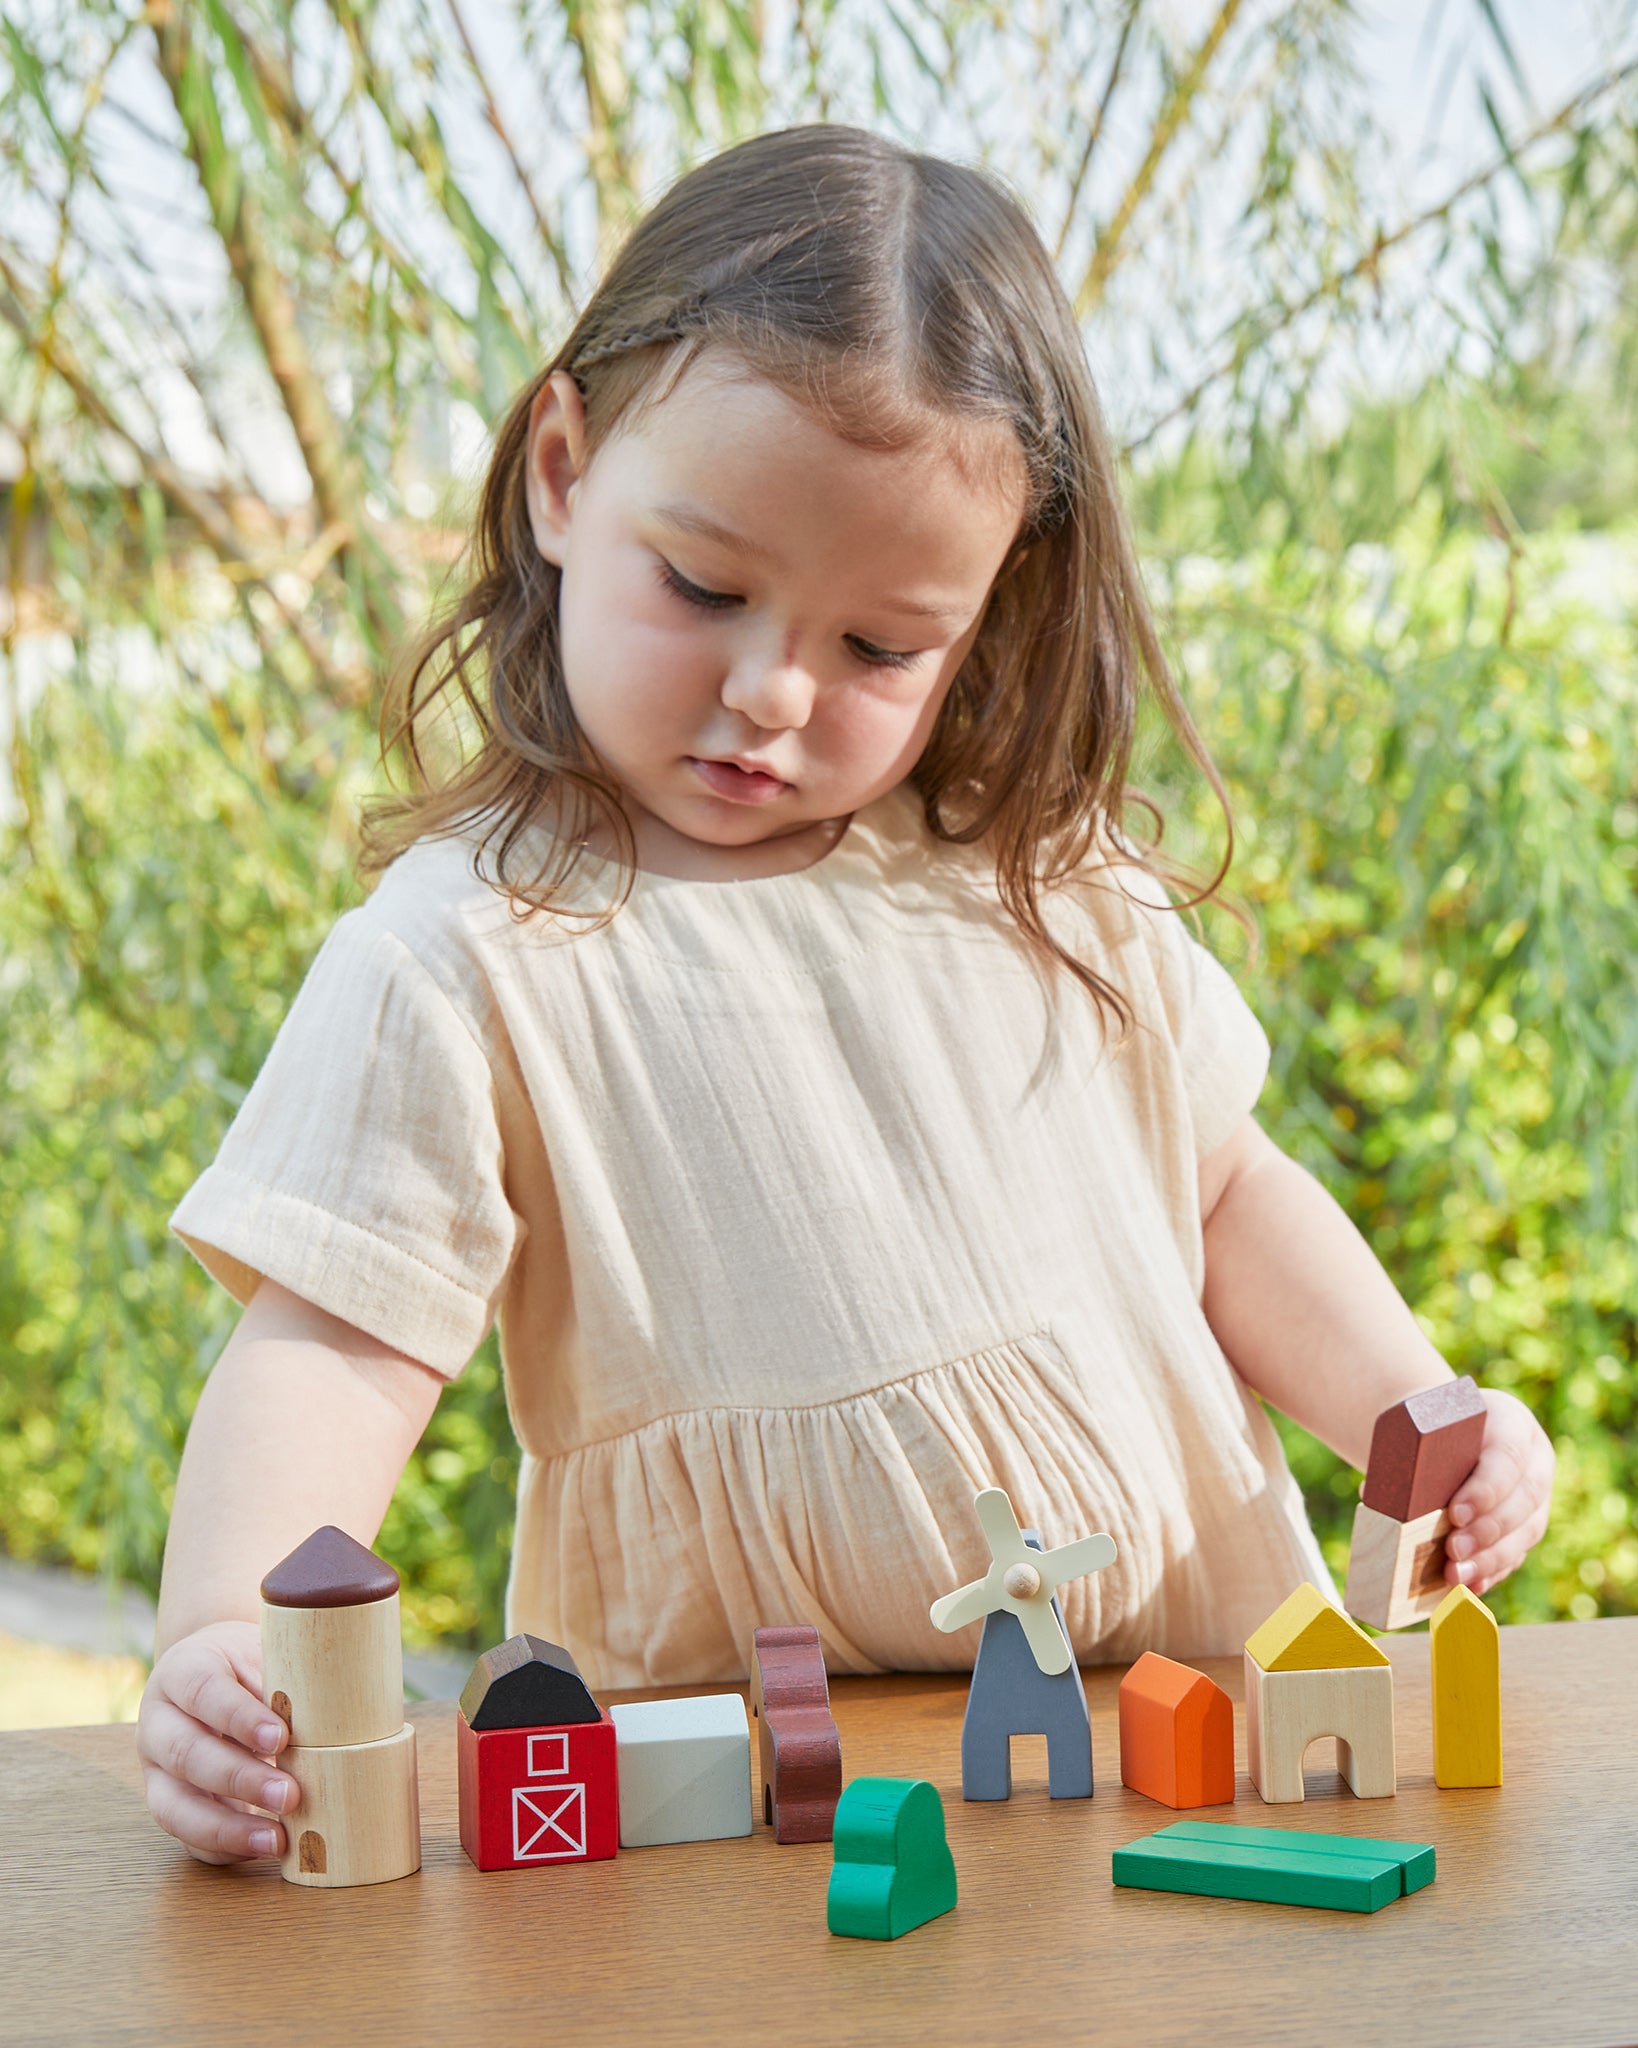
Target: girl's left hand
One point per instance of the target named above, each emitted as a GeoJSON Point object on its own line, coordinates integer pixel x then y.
{"type": "Point", "coordinates": [1499, 1512]}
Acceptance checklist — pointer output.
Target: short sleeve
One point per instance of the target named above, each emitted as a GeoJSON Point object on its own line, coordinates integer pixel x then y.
{"type": "Point", "coordinates": [364, 1170]}
{"type": "Point", "coordinates": [1222, 1049]}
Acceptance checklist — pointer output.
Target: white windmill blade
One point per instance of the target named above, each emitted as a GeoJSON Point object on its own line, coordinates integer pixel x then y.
{"type": "Point", "coordinates": [1047, 1641]}
{"type": "Point", "coordinates": [1074, 1560]}
{"type": "Point", "coordinates": [1000, 1525]}
{"type": "Point", "coordinates": [965, 1604]}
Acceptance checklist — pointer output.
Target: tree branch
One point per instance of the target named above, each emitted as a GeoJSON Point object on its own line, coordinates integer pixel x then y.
{"type": "Point", "coordinates": [553, 241]}
{"type": "Point", "coordinates": [348, 686]}
{"type": "Point", "coordinates": [1281, 316]}
{"type": "Point", "coordinates": [1094, 133]}
{"type": "Point", "coordinates": [1161, 138]}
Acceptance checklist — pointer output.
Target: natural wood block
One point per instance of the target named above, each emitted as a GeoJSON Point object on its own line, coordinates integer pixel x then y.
{"type": "Point", "coordinates": [1306, 1632]}
{"type": "Point", "coordinates": [1287, 1710]}
{"type": "Point", "coordinates": [1176, 1734]}
{"type": "Point", "coordinates": [1464, 1651]}
{"type": "Point", "coordinates": [359, 1821]}
{"type": "Point", "coordinates": [335, 1675]}
{"type": "Point", "coordinates": [1396, 1570]}
{"type": "Point", "coordinates": [1422, 1449]}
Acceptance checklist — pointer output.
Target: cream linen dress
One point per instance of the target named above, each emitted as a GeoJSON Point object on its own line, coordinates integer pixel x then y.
{"type": "Point", "coordinates": [806, 1211]}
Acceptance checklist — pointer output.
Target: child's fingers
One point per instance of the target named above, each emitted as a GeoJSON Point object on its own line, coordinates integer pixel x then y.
{"type": "Point", "coordinates": [1500, 1468]}
{"type": "Point", "coordinates": [205, 1688]}
{"type": "Point", "coordinates": [208, 1830]}
{"type": "Point", "coordinates": [1498, 1543]}
{"type": "Point", "coordinates": [184, 1749]}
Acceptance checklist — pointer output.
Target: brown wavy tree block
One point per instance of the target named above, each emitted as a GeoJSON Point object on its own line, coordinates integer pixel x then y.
{"type": "Point", "coordinates": [1423, 1448]}
{"type": "Point", "coordinates": [329, 1570]}
{"type": "Point", "coordinates": [797, 1739]}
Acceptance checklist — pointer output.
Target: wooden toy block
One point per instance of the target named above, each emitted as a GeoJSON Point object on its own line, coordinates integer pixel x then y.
{"type": "Point", "coordinates": [893, 1869]}
{"type": "Point", "coordinates": [526, 1682]}
{"type": "Point", "coordinates": [1396, 1570]}
{"type": "Point", "coordinates": [1176, 1734]}
{"type": "Point", "coordinates": [332, 1670]}
{"type": "Point", "coordinates": [1022, 1581]}
{"type": "Point", "coordinates": [359, 1821]}
{"type": "Point", "coordinates": [1465, 1654]}
{"type": "Point", "coordinates": [533, 1793]}
{"type": "Point", "coordinates": [1011, 1695]}
{"type": "Point", "coordinates": [1307, 1633]}
{"type": "Point", "coordinates": [685, 1770]}
{"type": "Point", "coordinates": [1423, 1448]}
{"type": "Point", "coordinates": [1416, 1860]}
{"type": "Point", "coordinates": [1287, 1710]}
{"type": "Point", "coordinates": [538, 1795]}
{"type": "Point", "coordinates": [1025, 1681]}
{"type": "Point", "coordinates": [332, 1656]}
{"type": "Point", "coordinates": [799, 1746]}
{"type": "Point", "coordinates": [1278, 1866]}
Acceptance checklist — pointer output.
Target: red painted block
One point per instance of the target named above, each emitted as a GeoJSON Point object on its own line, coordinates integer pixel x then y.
{"type": "Point", "coordinates": [1423, 1448]}
{"type": "Point", "coordinates": [801, 1750]}
{"type": "Point", "coordinates": [538, 1795]}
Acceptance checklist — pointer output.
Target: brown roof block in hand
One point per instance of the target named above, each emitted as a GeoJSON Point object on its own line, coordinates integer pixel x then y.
{"type": "Point", "coordinates": [329, 1570]}
{"type": "Point", "coordinates": [1423, 1448]}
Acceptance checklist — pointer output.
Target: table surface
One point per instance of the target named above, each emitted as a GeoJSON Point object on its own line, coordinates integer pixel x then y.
{"type": "Point", "coordinates": [110, 1932]}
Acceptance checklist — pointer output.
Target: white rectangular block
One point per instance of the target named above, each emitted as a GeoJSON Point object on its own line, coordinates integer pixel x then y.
{"type": "Point", "coordinates": [685, 1770]}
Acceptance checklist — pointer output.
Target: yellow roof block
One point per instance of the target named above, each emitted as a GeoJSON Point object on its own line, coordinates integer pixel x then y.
{"type": "Point", "coordinates": [1308, 1633]}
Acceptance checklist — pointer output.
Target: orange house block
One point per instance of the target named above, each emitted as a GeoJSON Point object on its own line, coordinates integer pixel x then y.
{"type": "Point", "coordinates": [1176, 1734]}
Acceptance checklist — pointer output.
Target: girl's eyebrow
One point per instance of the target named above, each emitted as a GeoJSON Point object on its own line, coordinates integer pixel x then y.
{"type": "Point", "coordinates": [689, 519]}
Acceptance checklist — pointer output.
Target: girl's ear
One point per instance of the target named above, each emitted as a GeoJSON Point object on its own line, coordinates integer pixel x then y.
{"type": "Point", "coordinates": [555, 462]}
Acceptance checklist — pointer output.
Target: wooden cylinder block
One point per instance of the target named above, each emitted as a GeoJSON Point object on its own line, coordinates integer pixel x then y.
{"type": "Point", "coordinates": [359, 1821]}
{"type": "Point", "coordinates": [335, 1675]}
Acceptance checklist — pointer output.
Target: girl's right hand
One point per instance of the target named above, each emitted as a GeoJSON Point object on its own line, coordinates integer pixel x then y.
{"type": "Point", "coordinates": [202, 1732]}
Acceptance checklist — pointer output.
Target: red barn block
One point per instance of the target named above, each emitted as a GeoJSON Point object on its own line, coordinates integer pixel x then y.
{"type": "Point", "coordinates": [536, 1761]}
{"type": "Point", "coordinates": [1176, 1734]}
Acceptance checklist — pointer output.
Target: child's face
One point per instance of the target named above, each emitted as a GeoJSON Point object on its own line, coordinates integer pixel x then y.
{"type": "Point", "coordinates": [789, 662]}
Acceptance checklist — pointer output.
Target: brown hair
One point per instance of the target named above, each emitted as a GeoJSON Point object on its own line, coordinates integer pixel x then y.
{"type": "Point", "coordinates": [900, 297]}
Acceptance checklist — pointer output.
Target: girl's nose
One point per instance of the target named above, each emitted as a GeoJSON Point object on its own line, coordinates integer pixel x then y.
{"type": "Point", "coordinates": [772, 689]}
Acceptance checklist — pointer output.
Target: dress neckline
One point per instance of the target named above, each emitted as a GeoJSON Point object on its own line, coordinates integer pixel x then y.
{"type": "Point", "coordinates": [875, 822]}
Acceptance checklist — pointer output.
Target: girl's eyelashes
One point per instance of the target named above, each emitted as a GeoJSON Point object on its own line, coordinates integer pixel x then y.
{"type": "Point", "coordinates": [717, 600]}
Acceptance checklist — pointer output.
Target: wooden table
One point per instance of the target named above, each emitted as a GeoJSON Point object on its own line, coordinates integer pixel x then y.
{"type": "Point", "coordinates": [110, 1932]}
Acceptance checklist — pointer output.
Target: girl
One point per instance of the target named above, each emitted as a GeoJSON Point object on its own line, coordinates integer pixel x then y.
{"type": "Point", "coordinates": [765, 1018]}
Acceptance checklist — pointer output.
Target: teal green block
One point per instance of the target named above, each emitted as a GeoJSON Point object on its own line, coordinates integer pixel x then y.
{"type": "Point", "coordinates": [1280, 1877]}
{"type": "Point", "coordinates": [893, 1868]}
{"type": "Point", "coordinates": [1416, 1859]}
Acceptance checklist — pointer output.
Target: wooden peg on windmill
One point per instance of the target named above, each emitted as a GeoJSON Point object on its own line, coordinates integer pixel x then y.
{"type": "Point", "coordinates": [1025, 1680]}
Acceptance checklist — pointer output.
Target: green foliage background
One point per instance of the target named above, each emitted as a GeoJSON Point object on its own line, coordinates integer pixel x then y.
{"type": "Point", "coordinates": [1408, 641]}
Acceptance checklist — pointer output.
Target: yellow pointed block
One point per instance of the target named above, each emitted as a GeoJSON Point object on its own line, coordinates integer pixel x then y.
{"type": "Point", "coordinates": [1465, 1655]}
{"type": "Point", "coordinates": [1307, 1633]}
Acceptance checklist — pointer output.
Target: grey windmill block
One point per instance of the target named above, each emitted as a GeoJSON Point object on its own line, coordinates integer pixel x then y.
{"type": "Point", "coordinates": [1011, 1695]}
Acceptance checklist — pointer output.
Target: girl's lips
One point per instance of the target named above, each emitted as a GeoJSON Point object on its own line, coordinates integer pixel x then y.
{"type": "Point", "coordinates": [725, 779]}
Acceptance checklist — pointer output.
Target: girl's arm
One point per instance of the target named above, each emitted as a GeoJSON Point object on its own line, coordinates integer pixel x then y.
{"type": "Point", "coordinates": [1309, 1319]}
{"type": "Point", "coordinates": [304, 1421]}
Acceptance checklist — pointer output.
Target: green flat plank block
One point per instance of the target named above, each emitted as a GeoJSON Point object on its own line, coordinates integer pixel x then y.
{"type": "Point", "coordinates": [1416, 1859]}
{"type": "Point", "coordinates": [1279, 1877]}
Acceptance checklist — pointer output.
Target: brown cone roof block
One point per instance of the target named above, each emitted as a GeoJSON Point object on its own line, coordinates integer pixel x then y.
{"type": "Point", "coordinates": [329, 1570]}
{"type": "Point", "coordinates": [1423, 1448]}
